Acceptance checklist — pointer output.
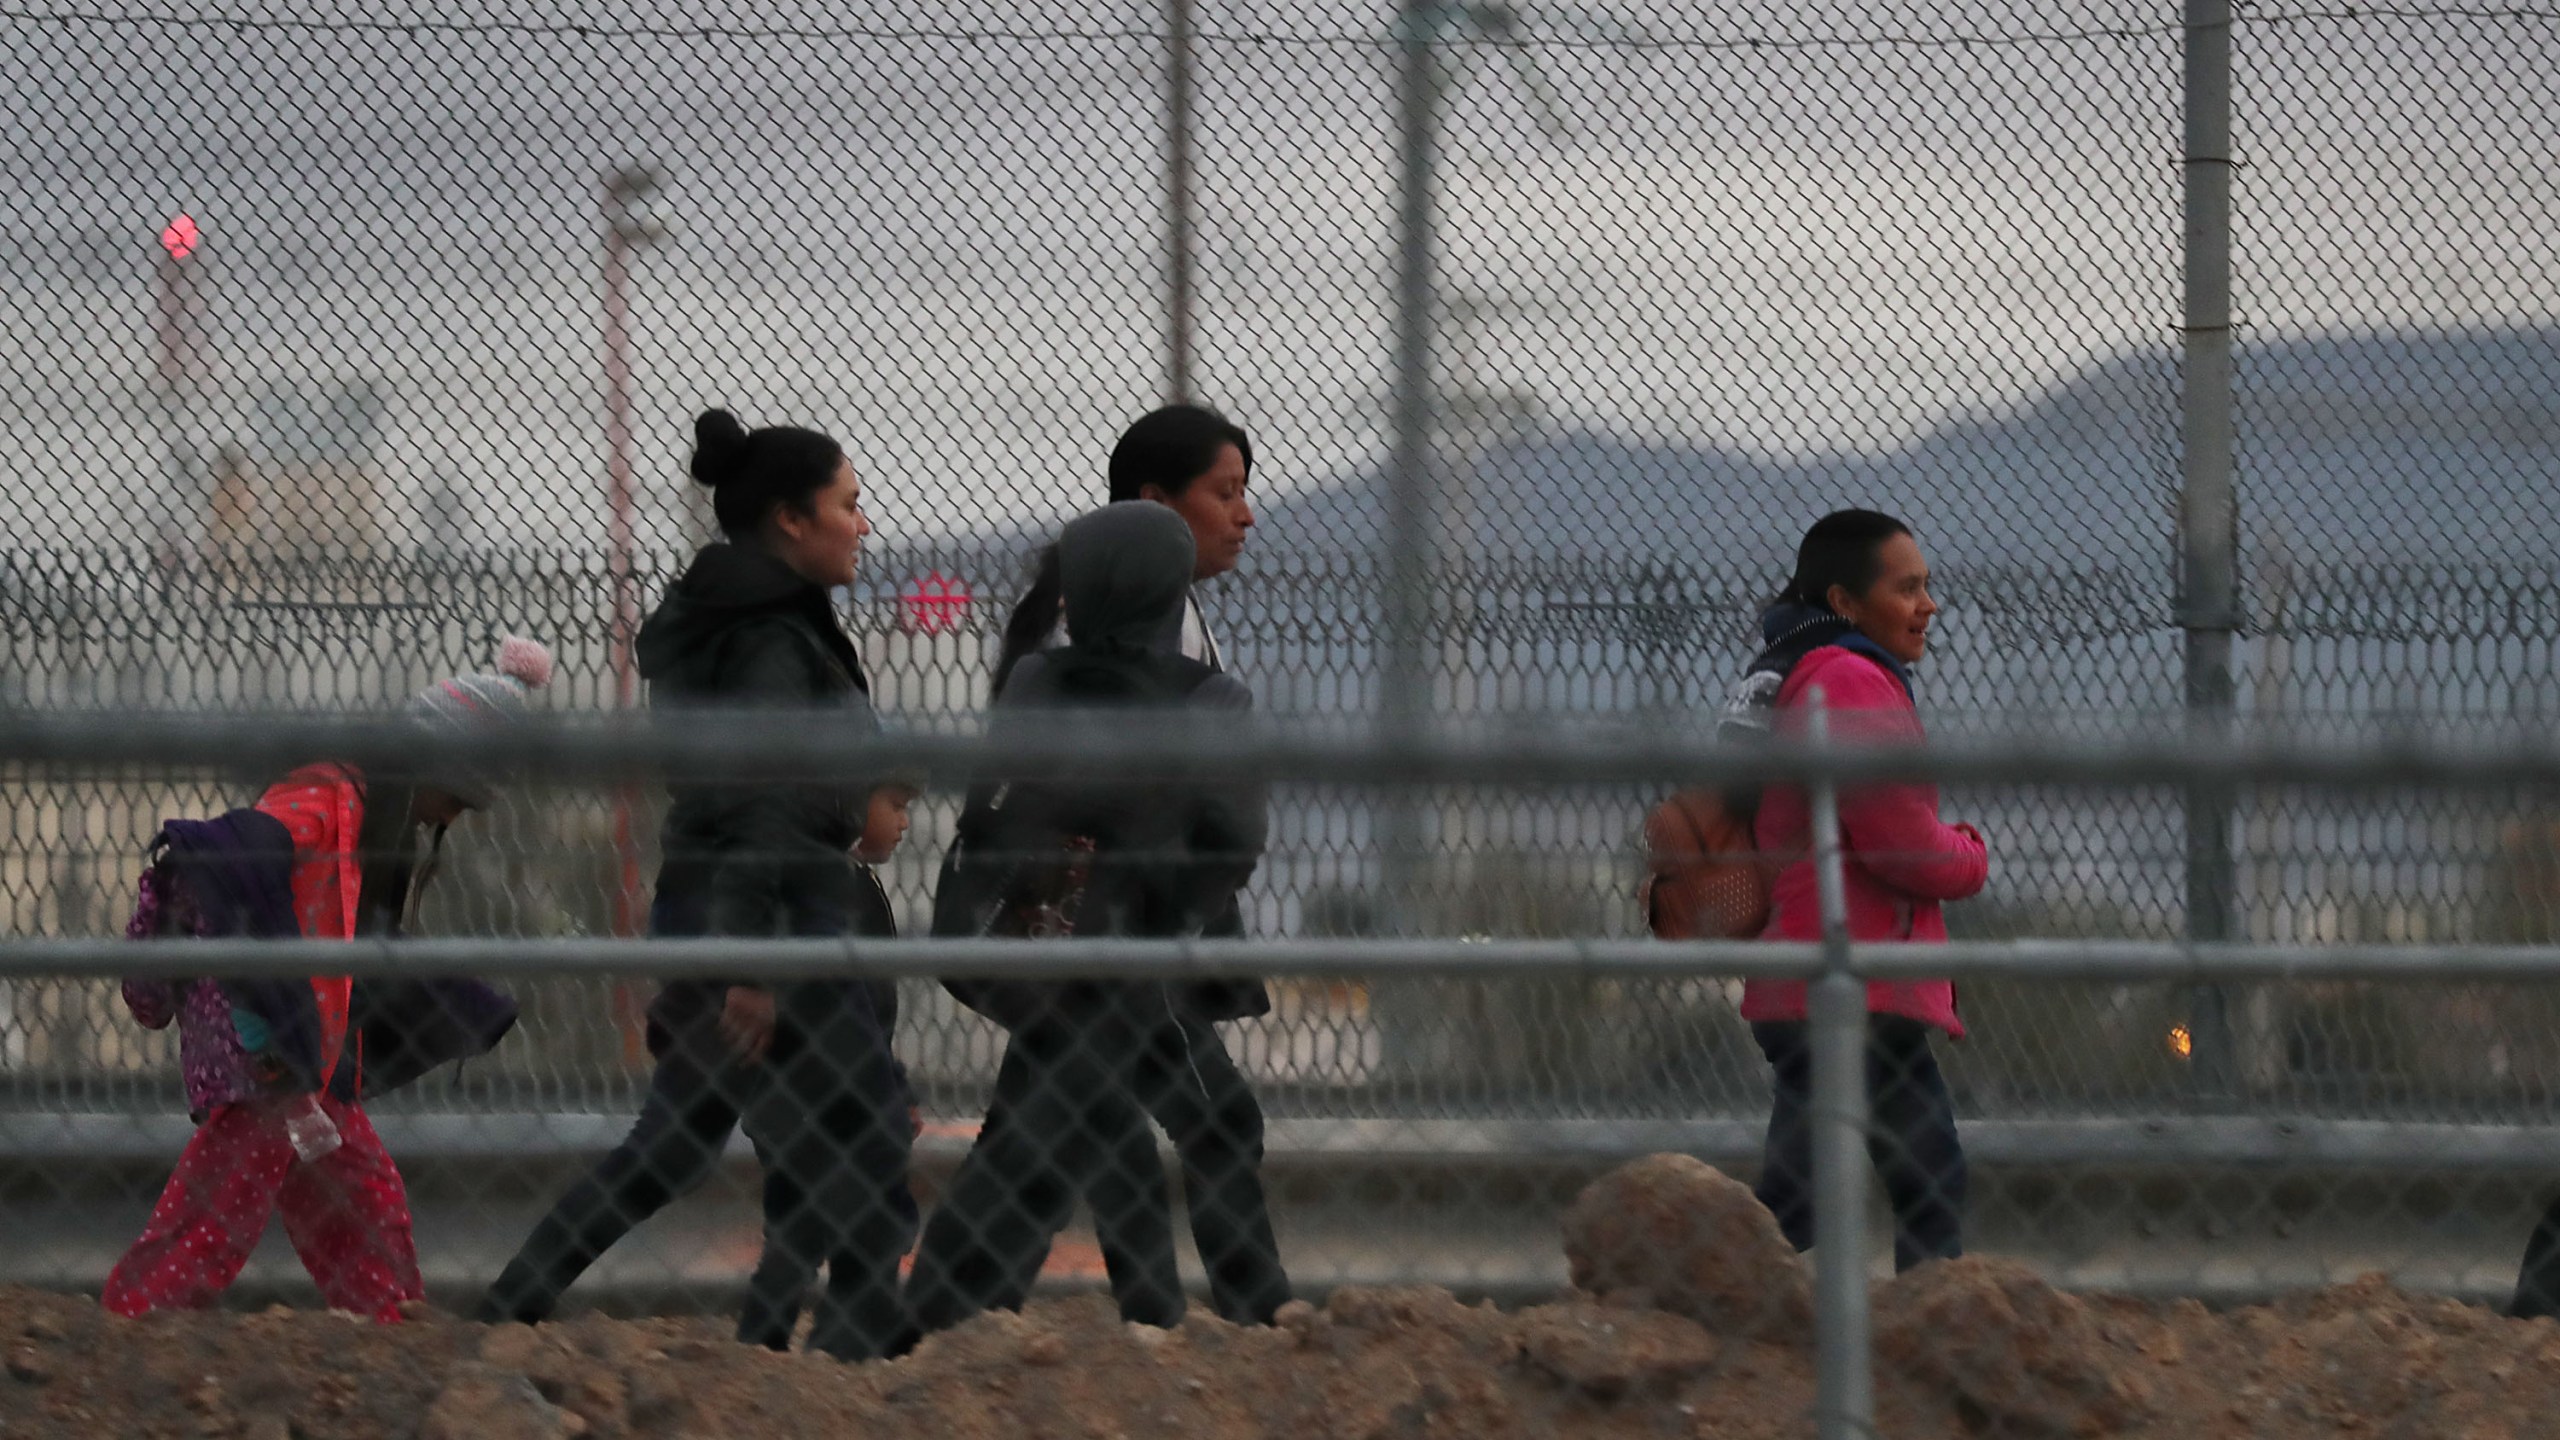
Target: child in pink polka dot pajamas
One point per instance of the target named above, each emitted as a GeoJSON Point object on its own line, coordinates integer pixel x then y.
{"type": "Point", "coordinates": [270, 1134]}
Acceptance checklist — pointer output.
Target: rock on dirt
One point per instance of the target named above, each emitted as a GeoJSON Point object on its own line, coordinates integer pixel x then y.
{"type": "Point", "coordinates": [1671, 1232]}
{"type": "Point", "coordinates": [483, 1402]}
{"type": "Point", "coordinates": [2033, 1361]}
{"type": "Point", "coordinates": [1609, 1353]}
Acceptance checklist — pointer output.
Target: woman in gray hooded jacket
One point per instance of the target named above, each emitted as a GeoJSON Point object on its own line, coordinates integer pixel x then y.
{"type": "Point", "coordinates": [1165, 859]}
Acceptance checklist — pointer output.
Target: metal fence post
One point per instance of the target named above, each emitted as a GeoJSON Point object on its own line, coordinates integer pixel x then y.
{"type": "Point", "coordinates": [2208, 520]}
{"type": "Point", "coordinates": [1844, 1404]}
{"type": "Point", "coordinates": [1179, 267]}
{"type": "Point", "coordinates": [1410, 545]}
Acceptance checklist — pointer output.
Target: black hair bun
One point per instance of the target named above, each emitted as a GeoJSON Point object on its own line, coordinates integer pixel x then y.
{"type": "Point", "coordinates": [719, 442]}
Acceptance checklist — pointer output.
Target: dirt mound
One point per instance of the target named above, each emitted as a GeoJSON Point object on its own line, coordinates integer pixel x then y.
{"type": "Point", "coordinates": [1674, 1233]}
{"type": "Point", "coordinates": [1369, 1363]}
{"type": "Point", "coordinates": [2032, 1361]}
{"type": "Point", "coordinates": [1966, 1349]}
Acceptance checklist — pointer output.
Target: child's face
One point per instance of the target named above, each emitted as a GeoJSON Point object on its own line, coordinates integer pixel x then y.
{"type": "Point", "coordinates": [884, 824]}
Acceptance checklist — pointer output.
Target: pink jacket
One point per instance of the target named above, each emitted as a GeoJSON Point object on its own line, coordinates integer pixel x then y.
{"type": "Point", "coordinates": [1903, 863]}
{"type": "Point", "coordinates": [323, 807]}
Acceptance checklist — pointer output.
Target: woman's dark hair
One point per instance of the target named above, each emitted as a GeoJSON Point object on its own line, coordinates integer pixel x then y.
{"type": "Point", "coordinates": [1033, 617]}
{"type": "Point", "coordinates": [1167, 448]}
{"type": "Point", "coordinates": [1843, 548]}
{"type": "Point", "coordinates": [753, 473]}
{"type": "Point", "coordinates": [1171, 447]}
{"type": "Point", "coordinates": [388, 867]}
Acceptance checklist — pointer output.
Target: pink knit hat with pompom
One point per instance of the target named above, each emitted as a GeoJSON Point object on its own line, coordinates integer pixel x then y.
{"type": "Point", "coordinates": [498, 698]}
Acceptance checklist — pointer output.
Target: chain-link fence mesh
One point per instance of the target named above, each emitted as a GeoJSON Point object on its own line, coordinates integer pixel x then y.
{"type": "Point", "coordinates": [339, 344]}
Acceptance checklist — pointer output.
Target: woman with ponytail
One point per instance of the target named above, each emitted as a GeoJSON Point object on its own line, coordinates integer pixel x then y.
{"type": "Point", "coordinates": [1188, 458]}
{"type": "Point", "coordinates": [1849, 625]}
{"type": "Point", "coordinates": [1196, 463]}
{"type": "Point", "coordinates": [805, 1066]}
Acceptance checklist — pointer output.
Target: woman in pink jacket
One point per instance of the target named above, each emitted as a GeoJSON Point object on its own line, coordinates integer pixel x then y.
{"type": "Point", "coordinates": [1852, 620]}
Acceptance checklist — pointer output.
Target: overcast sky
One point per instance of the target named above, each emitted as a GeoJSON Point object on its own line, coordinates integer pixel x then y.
{"type": "Point", "coordinates": [937, 229]}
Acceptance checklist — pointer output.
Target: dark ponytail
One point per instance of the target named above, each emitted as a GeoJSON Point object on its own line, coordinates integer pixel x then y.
{"type": "Point", "coordinates": [753, 473]}
{"type": "Point", "coordinates": [1167, 448]}
{"type": "Point", "coordinates": [1843, 548]}
{"type": "Point", "coordinates": [1170, 448]}
{"type": "Point", "coordinates": [1034, 617]}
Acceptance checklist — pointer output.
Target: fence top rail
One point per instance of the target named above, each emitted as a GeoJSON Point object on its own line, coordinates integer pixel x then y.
{"type": "Point", "coordinates": [768, 746]}
{"type": "Point", "coordinates": [781, 959]}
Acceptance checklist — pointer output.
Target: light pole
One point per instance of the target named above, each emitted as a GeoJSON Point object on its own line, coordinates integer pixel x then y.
{"type": "Point", "coordinates": [177, 356]}
{"type": "Point", "coordinates": [1412, 490]}
{"type": "Point", "coordinates": [1419, 504]}
{"type": "Point", "coordinates": [625, 234]}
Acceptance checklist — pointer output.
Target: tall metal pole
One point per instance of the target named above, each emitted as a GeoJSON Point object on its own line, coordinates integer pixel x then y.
{"type": "Point", "coordinates": [1179, 282]}
{"type": "Point", "coordinates": [177, 359]}
{"type": "Point", "coordinates": [624, 233]}
{"type": "Point", "coordinates": [1410, 542]}
{"type": "Point", "coordinates": [2208, 518]}
{"type": "Point", "coordinates": [1845, 1399]}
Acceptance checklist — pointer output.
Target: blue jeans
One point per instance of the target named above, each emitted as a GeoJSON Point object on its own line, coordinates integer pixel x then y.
{"type": "Point", "coordinates": [1911, 1137]}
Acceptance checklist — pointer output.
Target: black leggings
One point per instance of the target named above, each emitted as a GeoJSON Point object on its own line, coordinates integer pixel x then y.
{"type": "Point", "coordinates": [2538, 1279]}
{"type": "Point", "coordinates": [1065, 1121]}
{"type": "Point", "coordinates": [684, 1123]}
{"type": "Point", "coordinates": [1190, 1084]}
{"type": "Point", "coordinates": [832, 1139]}
{"type": "Point", "coordinates": [1911, 1137]}
{"type": "Point", "coordinates": [1182, 1076]}
{"type": "Point", "coordinates": [827, 1114]}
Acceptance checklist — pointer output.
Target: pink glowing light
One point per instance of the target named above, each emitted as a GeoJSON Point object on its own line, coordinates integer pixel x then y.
{"type": "Point", "coordinates": [182, 237]}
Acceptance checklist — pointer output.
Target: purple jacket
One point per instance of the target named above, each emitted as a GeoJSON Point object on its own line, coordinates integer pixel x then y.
{"type": "Point", "coordinates": [216, 1066]}
{"type": "Point", "coordinates": [232, 875]}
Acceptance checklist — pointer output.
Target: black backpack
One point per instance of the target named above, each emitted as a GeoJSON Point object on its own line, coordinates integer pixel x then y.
{"type": "Point", "coordinates": [1043, 859]}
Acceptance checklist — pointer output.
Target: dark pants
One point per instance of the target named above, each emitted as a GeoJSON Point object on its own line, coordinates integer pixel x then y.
{"type": "Point", "coordinates": [827, 1114]}
{"type": "Point", "coordinates": [1183, 1076]}
{"type": "Point", "coordinates": [684, 1123]}
{"type": "Point", "coordinates": [1911, 1137]}
{"type": "Point", "coordinates": [830, 1124]}
{"type": "Point", "coordinates": [2538, 1279]}
{"type": "Point", "coordinates": [1065, 1121]}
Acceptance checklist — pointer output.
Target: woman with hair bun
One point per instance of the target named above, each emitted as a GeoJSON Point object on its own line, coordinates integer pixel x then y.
{"type": "Point", "coordinates": [807, 1065]}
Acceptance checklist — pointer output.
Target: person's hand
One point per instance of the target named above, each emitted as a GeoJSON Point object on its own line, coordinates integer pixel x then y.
{"type": "Point", "coordinates": [915, 1122]}
{"type": "Point", "coordinates": [746, 1021]}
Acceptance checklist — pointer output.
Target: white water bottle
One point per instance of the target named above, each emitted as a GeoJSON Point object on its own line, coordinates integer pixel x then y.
{"type": "Point", "coordinates": [313, 1133]}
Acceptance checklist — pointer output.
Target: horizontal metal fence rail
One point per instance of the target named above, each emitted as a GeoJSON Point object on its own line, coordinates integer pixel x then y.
{"type": "Point", "coordinates": [2159, 1141]}
{"type": "Point", "coordinates": [753, 746]}
{"type": "Point", "coordinates": [1177, 960]}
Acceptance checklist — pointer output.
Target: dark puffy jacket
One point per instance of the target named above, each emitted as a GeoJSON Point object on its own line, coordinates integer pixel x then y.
{"type": "Point", "coordinates": [740, 630]}
{"type": "Point", "coordinates": [1169, 857]}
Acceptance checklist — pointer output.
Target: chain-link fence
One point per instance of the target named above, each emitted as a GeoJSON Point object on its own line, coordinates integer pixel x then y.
{"type": "Point", "coordinates": [1680, 1287]}
{"type": "Point", "coordinates": [339, 344]}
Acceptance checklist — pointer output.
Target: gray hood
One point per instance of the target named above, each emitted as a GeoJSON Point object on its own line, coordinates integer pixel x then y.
{"type": "Point", "coordinates": [1125, 573]}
